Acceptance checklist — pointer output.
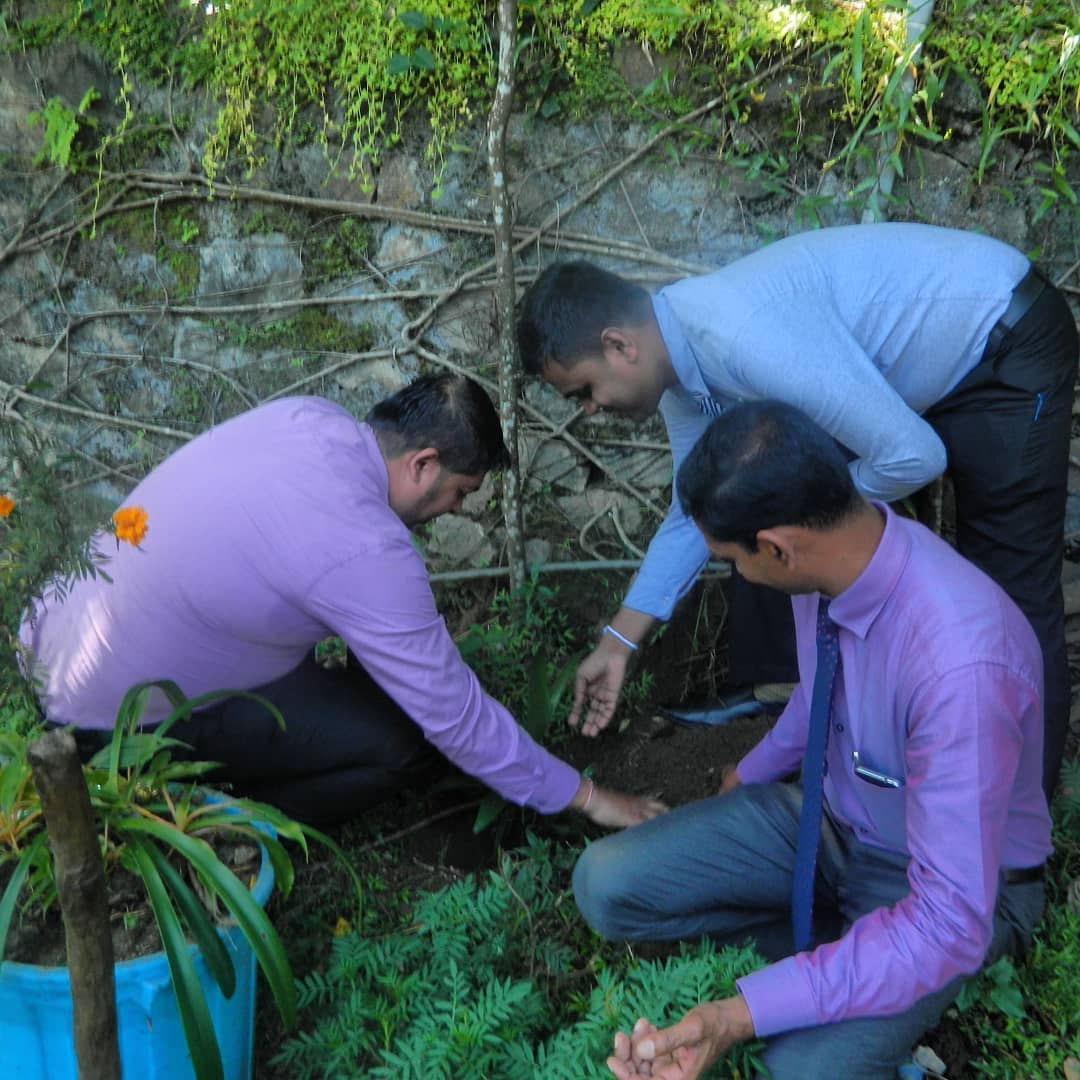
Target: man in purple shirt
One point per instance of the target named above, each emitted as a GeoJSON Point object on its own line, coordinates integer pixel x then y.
{"type": "Point", "coordinates": [935, 828]}
{"type": "Point", "coordinates": [268, 533]}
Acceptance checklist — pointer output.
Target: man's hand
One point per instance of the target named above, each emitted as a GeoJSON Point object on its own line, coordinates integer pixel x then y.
{"type": "Point", "coordinates": [685, 1050]}
{"type": "Point", "coordinates": [729, 779]}
{"type": "Point", "coordinates": [597, 684]}
{"type": "Point", "coordinates": [614, 810]}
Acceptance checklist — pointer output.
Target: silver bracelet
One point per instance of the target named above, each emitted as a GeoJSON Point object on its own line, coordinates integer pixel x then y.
{"type": "Point", "coordinates": [609, 629]}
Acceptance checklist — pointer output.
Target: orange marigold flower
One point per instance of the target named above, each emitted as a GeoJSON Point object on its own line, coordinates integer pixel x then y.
{"type": "Point", "coordinates": [6, 506]}
{"type": "Point", "coordinates": [129, 524]}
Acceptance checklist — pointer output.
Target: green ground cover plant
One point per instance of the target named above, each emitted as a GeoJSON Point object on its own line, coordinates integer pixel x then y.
{"type": "Point", "coordinates": [494, 975]}
{"type": "Point", "coordinates": [1024, 1020]}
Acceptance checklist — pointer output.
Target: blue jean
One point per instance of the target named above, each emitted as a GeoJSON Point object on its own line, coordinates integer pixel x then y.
{"type": "Point", "coordinates": [722, 867]}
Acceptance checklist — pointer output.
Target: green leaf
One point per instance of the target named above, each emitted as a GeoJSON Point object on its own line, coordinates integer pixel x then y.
{"type": "Point", "coordinates": [200, 927]}
{"type": "Point", "coordinates": [538, 703]}
{"type": "Point", "coordinates": [1009, 1000]}
{"type": "Point", "coordinates": [490, 808]}
{"type": "Point", "coordinates": [190, 999]}
{"type": "Point", "coordinates": [857, 52]}
{"type": "Point", "coordinates": [423, 58]}
{"type": "Point", "coordinates": [15, 883]}
{"type": "Point", "coordinates": [415, 20]}
{"type": "Point", "coordinates": [134, 750]}
{"type": "Point", "coordinates": [184, 707]}
{"type": "Point", "coordinates": [280, 861]}
{"type": "Point", "coordinates": [88, 99]}
{"type": "Point", "coordinates": [251, 918]}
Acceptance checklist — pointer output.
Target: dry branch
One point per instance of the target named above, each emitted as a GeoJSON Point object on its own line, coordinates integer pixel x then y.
{"type": "Point", "coordinates": [80, 887]}
{"type": "Point", "coordinates": [503, 236]}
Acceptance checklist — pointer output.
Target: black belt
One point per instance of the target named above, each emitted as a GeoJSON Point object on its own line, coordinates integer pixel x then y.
{"type": "Point", "coordinates": [1024, 874]}
{"type": "Point", "coordinates": [1027, 291]}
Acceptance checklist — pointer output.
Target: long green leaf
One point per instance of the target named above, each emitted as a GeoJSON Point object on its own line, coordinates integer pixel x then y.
{"type": "Point", "coordinates": [14, 885]}
{"type": "Point", "coordinates": [251, 919]}
{"type": "Point", "coordinates": [186, 706]}
{"type": "Point", "coordinates": [133, 750]}
{"type": "Point", "coordinates": [284, 872]}
{"type": "Point", "coordinates": [857, 41]}
{"type": "Point", "coordinates": [490, 808]}
{"type": "Point", "coordinates": [190, 999]}
{"type": "Point", "coordinates": [199, 926]}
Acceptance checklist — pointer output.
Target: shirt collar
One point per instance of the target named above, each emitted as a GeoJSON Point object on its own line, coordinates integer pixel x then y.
{"type": "Point", "coordinates": [859, 605]}
{"type": "Point", "coordinates": [380, 477]}
{"type": "Point", "coordinates": [682, 357]}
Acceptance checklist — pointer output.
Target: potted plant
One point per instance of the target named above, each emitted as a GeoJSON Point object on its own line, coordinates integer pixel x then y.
{"type": "Point", "coordinates": [156, 822]}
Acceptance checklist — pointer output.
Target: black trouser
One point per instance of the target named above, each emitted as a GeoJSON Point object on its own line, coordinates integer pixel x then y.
{"type": "Point", "coordinates": [1006, 429]}
{"type": "Point", "coordinates": [346, 744]}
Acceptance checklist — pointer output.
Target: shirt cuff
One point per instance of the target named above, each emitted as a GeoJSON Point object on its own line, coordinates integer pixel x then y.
{"type": "Point", "coordinates": [558, 787]}
{"type": "Point", "coordinates": [759, 765]}
{"type": "Point", "coordinates": [779, 997]}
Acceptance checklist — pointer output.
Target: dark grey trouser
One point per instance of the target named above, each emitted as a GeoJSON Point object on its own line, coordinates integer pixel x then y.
{"type": "Point", "coordinates": [722, 867]}
{"type": "Point", "coordinates": [345, 747]}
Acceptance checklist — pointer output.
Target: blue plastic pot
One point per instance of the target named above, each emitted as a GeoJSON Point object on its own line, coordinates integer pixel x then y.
{"type": "Point", "coordinates": [36, 1030]}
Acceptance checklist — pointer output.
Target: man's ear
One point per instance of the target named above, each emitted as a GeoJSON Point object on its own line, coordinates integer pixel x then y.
{"type": "Point", "coordinates": [781, 543]}
{"type": "Point", "coordinates": [420, 463]}
{"type": "Point", "coordinates": [619, 344]}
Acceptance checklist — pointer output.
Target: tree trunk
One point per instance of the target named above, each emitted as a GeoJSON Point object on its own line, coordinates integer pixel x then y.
{"type": "Point", "coordinates": [509, 367]}
{"type": "Point", "coordinates": [80, 886]}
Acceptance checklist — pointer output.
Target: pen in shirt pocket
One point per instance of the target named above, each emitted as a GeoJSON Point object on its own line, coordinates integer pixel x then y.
{"type": "Point", "coordinates": [873, 776]}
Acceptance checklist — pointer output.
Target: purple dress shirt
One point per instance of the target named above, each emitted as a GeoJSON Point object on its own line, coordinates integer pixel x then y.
{"type": "Point", "coordinates": [266, 534]}
{"type": "Point", "coordinates": [941, 689]}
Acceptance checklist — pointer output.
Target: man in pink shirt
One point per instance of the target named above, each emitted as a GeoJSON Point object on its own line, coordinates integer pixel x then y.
{"type": "Point", "coordinates": [934, 831]}
{"type": "Point", "coordinates": [268, 533]}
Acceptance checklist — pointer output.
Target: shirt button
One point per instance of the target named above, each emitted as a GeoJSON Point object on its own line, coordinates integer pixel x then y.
{"type": "Point", "coordinates": [838, 727]}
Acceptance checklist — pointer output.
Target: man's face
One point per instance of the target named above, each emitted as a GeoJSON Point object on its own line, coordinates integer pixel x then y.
{"type": "Point", "coordinates": [442, 493]}
{"type": "Point", "coordinates": [765, 566]}
{"type": "Point", "coordinates": [612, 383]}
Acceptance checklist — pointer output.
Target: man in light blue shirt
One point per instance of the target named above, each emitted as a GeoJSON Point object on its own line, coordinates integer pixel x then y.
{"type": "Point", "coordinates": [919, 349]}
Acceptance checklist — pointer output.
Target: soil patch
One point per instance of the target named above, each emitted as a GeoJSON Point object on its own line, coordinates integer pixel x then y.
{"type": "Point", "coordinates": [39, 939]}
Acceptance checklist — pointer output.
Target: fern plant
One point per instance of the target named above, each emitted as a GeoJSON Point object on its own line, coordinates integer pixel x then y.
{"type": "Point", "coordinates": [491, 977]}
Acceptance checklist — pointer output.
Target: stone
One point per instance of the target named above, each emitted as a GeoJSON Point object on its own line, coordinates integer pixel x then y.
{"type": "Point", "coordinates": [18, 100]}
{"type": "Point", "coordinates": [647, 469]}
{"type": "Point", "coordinates": [257, 270]}
{"type": "Point", "coordinates": [398, 183]}
{"type": "Point", "coordinates": [466, 325]}
{"type": "Point", "coordinates": [330, 175]}
{"type": "Point", "coordinates": [551, 463]}
{"type": "Point", "coordinates": [369, 381]}
{"type": "Point", "coordinates": [460, 541]}
{"type": "Point", "coordinates": [537, 551]}
{"type": "Point", "coordinates": [640, 66]}
{"type": "Point", "coordinates": [194, 339]}
{"type": "Point", "coordinates": [405, 256]}
{"type": "Point", "coordinates": [595, 507]}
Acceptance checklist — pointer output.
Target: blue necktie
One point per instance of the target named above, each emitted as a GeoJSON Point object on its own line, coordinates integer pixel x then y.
{"type": "Point", "coordinates": [813, 775]}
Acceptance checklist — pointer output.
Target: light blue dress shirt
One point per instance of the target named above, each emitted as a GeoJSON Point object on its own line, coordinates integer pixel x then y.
{"type": "Point", "coordinates": [862, 327]}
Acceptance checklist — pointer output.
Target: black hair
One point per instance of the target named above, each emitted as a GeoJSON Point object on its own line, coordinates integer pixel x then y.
{"type": "Point", "coordinates": [763, 464]}
{"type": "Point", "coordinates": [449, 412]}
{"type": "Point", "coordinates": [563, 313]}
